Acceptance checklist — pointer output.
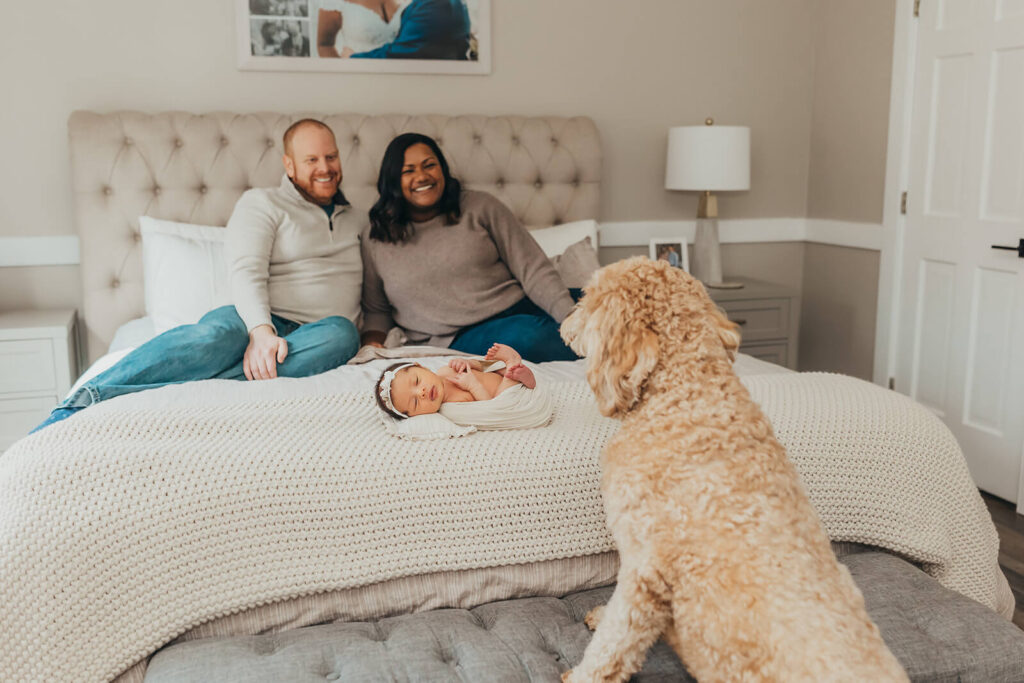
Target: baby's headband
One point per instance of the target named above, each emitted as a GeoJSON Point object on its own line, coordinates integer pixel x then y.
{"type": "Point", "coordinates": [385, 387]}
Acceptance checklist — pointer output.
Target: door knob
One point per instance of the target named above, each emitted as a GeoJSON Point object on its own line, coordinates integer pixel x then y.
{"type": "Point", "coordinates": [1019, 248]}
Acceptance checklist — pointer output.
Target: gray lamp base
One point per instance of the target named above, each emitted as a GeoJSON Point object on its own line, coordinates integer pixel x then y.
{"type": "Point", "coordinates": [707, 256]}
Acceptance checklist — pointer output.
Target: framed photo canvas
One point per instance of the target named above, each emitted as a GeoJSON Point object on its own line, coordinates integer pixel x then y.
{"type": "Point", "coordinates": [671, 249]}
{"type": "Point", "coordinates": [365, 36]}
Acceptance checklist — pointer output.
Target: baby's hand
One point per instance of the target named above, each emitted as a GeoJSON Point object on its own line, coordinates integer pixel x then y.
{"type": "Point", "coordinates": [465, 379]}
{"type": "Point", "coordinates": [458, 364]}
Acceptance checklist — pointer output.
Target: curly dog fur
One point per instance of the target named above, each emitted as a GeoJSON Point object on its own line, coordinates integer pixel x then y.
{"type": "Point", "coordinates": [721, 551]}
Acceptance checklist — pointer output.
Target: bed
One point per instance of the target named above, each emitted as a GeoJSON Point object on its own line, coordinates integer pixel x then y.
{"type": "Point", "coordinates": [224, 531]}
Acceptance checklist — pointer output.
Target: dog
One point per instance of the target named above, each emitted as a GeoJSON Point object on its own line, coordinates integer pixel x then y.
{"type": "Point", "coordinates": [721, 551]}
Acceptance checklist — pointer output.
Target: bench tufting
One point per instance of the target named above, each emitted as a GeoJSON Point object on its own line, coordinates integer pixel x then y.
{"type": "Point", "coordinates": [937, 635]}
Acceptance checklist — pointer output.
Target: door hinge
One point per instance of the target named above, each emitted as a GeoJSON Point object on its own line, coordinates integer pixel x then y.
{"type": "Point", "coordinates": [892, 383]}
{"type": "Point", "coordinates": [917, 8]}
{"type": "Point", "coordinates": [903, 203]}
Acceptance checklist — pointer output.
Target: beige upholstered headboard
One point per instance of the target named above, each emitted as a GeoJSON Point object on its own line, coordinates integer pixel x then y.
{"type": "Point", "coordinates": [193, 168]}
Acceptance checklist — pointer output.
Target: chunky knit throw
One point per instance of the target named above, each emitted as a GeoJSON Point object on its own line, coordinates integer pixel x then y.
{"type": "Point", "coordinates": [139, 519]}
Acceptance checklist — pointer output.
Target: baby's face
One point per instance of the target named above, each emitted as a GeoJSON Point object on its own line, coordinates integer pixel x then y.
{"type": "Point", "coordinates": [417, 391]}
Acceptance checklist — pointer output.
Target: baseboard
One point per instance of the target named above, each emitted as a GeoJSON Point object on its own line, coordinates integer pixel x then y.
{"type": "Point", "coordinates": [51, 250]}
{"type": "Point", "coordinates": [59, 250]}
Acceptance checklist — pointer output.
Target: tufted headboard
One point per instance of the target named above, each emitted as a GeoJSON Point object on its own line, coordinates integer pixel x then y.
{"type": "Point", "coordinates": [192, 168]}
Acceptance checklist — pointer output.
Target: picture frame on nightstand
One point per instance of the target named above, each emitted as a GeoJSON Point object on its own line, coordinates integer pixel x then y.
{"type": "Point", "coordinates": [671, 249]}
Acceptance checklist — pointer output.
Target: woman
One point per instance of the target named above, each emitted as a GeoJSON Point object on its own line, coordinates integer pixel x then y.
{"type": "Point", "coordinates": [454, 267]}
{"type": "Point", "coordinates": [347, 26]}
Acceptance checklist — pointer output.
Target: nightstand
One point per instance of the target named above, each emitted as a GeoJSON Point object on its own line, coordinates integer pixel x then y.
{"type": "Point", "coordinates": [38, 363]}
{"type": "Point", "coordinates": [768, 316]}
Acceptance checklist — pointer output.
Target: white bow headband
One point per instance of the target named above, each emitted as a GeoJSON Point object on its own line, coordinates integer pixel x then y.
{"type": "Point", "coordinates": [385, 387]}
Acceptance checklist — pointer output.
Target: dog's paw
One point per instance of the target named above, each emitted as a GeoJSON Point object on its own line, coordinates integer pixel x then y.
{"type": "Point", "coordinates": [593, 617]}
{"type": "Point", "coordinates": [567, 677]}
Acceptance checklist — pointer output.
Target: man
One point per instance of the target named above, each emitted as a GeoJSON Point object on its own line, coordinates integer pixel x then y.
{"type": "Point", "coordinates": [429, 29]}
{"type": "Point", "coordinates": [296, 274]}
{"type": "Point", "coordinates": [296, 44]}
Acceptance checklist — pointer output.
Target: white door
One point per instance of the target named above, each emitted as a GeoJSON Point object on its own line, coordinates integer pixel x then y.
{"type": "Point", "coordinates": [961, 333]}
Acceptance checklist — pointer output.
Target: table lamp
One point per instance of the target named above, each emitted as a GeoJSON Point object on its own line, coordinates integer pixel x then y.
{"type": "Point", "coordinates": [708, 159]}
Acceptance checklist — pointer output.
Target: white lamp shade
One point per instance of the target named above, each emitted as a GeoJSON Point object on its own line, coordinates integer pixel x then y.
{"type": "Point", "coordinates": [714, 158]}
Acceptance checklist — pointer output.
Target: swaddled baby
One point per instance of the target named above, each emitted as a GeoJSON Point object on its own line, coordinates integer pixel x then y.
{"type": "Point", "coordinates": [409, 389]}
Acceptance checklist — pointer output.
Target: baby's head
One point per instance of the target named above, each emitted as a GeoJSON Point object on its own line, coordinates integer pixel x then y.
{"type": "Point", "coordinates": [409, 389]}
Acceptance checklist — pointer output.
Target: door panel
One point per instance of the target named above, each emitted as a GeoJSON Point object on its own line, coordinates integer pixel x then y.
{"type": "Point", "coordinates": [961, 335]}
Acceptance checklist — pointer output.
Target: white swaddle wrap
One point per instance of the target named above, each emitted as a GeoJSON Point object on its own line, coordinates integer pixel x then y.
{"type": "Point", "coordinates": [515, 408]}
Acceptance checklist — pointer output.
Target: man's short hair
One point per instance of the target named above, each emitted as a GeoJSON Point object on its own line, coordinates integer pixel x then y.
{"type": "Point", "coordinates": [294, 128]}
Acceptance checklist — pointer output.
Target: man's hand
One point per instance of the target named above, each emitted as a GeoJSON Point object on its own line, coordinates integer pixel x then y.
{"type": "Point", "coordinates": [264, 352]}
{"type": "Point", "coordinates": [347, 52]}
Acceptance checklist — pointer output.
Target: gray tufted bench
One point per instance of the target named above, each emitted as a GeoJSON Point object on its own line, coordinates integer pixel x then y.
{"type": "Point", "coordinates": [938, 635]}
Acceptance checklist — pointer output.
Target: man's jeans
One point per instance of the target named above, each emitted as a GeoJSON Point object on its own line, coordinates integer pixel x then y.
{"type": "Point", "coordinates": [213, 349]}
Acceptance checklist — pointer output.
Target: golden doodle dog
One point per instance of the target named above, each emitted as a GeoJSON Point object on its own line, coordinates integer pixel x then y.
{"type": "Point", "coordinates": [721, 551]}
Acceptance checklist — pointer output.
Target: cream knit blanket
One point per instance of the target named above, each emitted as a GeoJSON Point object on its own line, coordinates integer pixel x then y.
{"type": "Point", "coordinates": [136, 520]}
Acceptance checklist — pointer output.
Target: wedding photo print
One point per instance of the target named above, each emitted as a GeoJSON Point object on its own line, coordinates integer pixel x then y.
{"type": "Point", "coordinates": [366, 36]}
{"type": "Point", "coordinates": [671, 249]}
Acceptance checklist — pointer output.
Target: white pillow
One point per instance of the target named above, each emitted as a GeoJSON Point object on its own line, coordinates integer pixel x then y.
{"type": "Point", "coordinates": [184, 271]}
{"type": "Point", "coordinates": [556, 239]}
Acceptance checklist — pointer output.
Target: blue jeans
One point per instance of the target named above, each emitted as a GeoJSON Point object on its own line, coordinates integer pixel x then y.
{"type": "Point", "coordinates": [524, 326]}
{"type": "Point", "coordinates": [213, 349]}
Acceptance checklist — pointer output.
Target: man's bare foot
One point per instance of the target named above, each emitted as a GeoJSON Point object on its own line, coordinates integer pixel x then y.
{"type": "Point", "coordinates": [505, 353]}
{"type": "Point", "coordinates": [521, 374]}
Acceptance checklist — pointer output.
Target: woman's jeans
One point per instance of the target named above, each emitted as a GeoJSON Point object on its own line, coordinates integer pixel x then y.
{"type": "Point", "coordinates": [213, 348]}
{"type": "Point", "coordinates": [524, 326]}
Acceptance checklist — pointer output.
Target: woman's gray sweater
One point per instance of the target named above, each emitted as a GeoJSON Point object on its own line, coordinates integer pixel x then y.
{"type": "Point", "coordinates": [451, 276]}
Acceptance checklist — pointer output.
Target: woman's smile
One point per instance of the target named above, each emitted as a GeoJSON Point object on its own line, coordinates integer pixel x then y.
{"type": "Point", "coordinates": [422, 182]}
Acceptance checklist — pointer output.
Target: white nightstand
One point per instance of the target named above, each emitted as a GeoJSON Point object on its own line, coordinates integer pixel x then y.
{"type": "Point", "coordinates": [38, 364]}
{"type": "Point", "coordinates": [768, 316]}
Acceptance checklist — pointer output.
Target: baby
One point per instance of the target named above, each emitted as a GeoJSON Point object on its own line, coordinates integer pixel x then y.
{"type": "Point", "coordinates": [409, 389]}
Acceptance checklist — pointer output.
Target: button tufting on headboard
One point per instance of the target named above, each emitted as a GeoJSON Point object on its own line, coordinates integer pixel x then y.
{"type": "Point", "coordinates": [198, 166]}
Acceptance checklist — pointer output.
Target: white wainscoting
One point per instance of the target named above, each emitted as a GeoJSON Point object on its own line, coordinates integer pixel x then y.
{"type": "Point", "coordinates": [51, 250]}
{"type": "Point", "coordinates": [838, 233]}
{"type": "Point", "coordinates": [59, 250]}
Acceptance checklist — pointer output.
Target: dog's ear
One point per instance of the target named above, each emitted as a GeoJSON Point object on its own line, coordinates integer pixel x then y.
{"type": "Point", "coordinates": [622, 353]}
{"type": "Point", "coordinates": [727, 330]}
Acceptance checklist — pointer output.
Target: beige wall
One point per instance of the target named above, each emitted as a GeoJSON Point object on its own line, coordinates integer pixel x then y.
{"type": "Point", "coordinates": [809, 76]}
{"type": "Point", "coordinates": [853, 44]}
{"type": "Point", "coordinates": [837, 323]}
{"type": "Point", "coordinates": [742, 61]}
{"type": "Point", "coordinates": [850, 112]}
